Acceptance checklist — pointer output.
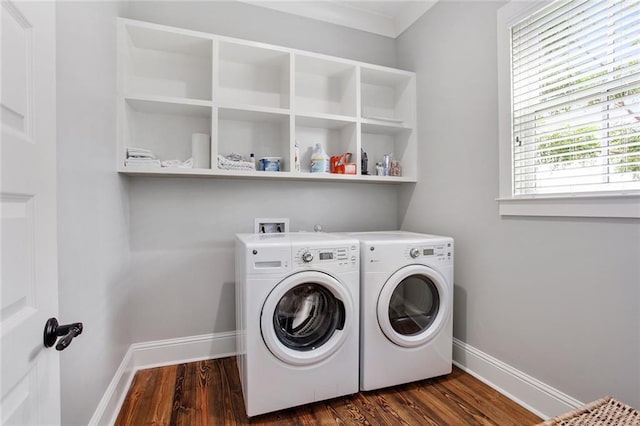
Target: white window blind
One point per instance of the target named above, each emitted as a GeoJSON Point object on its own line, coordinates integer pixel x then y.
{"type": "Point", "coordinates": [576, 98]}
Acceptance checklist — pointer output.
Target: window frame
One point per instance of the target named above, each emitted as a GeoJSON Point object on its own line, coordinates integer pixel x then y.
{"type": "Point", "coordinates": [604, 204]}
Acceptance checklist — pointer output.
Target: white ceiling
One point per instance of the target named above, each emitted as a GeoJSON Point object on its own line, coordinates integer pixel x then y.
{"type": "Point", "coordinates": [384, 17]}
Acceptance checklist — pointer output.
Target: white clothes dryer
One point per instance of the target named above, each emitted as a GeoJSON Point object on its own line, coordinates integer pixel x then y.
{"type": "Point", "coordinates": [297, 315]}
{"type": "Point", "coordinates": [406, 306]}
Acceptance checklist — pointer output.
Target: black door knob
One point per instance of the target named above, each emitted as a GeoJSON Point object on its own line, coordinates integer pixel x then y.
{"type": "Point", "coordinates": [53, 330]}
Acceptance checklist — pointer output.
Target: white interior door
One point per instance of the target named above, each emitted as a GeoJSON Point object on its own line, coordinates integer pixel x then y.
{"type": "Point", "coordinates": [30, 377]}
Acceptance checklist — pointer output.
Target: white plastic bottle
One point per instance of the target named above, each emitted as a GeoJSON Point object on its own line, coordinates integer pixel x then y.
{"type": "Point", "coordinates": [296, 157]}
{"type": "Point", "coordinates": [319, 160]}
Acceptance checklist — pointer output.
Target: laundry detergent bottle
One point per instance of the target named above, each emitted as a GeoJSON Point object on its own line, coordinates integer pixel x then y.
{"type": "Point", "coordinates": [319, 160]}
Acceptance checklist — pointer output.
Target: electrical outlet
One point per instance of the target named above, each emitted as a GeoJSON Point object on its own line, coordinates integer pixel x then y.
{"type": "Point", "coordinates": [271, 226]}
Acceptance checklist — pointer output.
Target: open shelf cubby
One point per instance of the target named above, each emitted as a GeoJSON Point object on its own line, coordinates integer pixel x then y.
{"type": "Point", "coordinates": [336, 136]}
{"type": "Point", "coordinates": [378, 140]}
{"type": "Point", "coordinates": [165, 63]}
{"type": "Point", "coordinates": [264, 134]}
{"type": "Point", "coordinates": [325, 86]}
{"type": "Point", "coordinates": [163, 127]}
{"type": "Point", "coordinates": [387, 96]}
{"type": "Point", "coordinates": [249, 75]}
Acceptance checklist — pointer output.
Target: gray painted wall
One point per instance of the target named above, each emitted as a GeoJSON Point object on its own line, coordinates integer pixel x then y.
{"type": "Point", "coordinates": [556, 298]}
{"type": "Point", "coordinates": [93, 232]}
{"type": "Point", "coordinates": [182, 230]}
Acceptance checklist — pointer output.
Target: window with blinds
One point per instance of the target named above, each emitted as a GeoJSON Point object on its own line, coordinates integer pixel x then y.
{"type": "Point", "coordinates": [576, 98]}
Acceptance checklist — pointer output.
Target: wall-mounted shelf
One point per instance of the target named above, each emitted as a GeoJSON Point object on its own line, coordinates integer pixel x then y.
{"type": "Point", "coordinates": [155, 171]}
{"type": "Point", "coordinates": [257, 98]}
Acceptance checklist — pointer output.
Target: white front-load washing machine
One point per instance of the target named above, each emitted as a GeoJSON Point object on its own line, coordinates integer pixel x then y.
{"type": "Point", "coordinates": [406, 305]}
{"type": "Point", "coordinates": [297, 315]}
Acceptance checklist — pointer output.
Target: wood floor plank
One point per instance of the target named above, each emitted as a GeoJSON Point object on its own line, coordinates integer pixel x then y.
{"type": "Point", "coordinates": [479, 403]}
{"type": "Point", "coordinates": [458, 406]}
{"type": "Point", "coordinates": [209, 393]}
{"type": "Point", "coordinates": [377, 410]}
{"type": "Point", "coordinates": [387, 400]}
{"type": "Point", "coordinates": [500, 407]}
{"type": "Point", "coordinates": [414, 408]}
{"type": "Point", "coordinates": [318, 413]}
{"type": "Point", "coordinates": [219, 398]}
{"type": "Point", "coordinates": [184, 410]}
{"type": "Point", "coordinates": [233, 402]}
{"type": "Point", "coordinates": [344, 409]}
{"type": "Point", "coordinates": [432, 401]}
{"type": "Point", "coordinates": [203, 388]}
{"type": "Point", "coordinates": [160, 412]}
{"type": "Point", "coordinates": [134, 406]}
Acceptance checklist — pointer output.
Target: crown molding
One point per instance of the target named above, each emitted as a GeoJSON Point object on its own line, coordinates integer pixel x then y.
{"type": "Point", "coordinates": [354, 14]}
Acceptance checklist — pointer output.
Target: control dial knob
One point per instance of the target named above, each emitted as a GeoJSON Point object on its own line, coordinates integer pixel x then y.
{"type": "Point", "coordinates": [414, 252]}
{"type": "Point", "coordinates": [307, 257]}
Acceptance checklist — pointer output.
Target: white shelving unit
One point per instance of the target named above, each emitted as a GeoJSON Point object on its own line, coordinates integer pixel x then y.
{"type": "Point", "coordinates": [257, 98]}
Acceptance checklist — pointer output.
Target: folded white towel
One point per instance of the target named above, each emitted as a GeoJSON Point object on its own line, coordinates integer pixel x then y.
{"type": "Point", "coordinates": [171, 163]}
{"type": "Point", "coordinates": [142, 162]}
{"type": "Point", "coordinates": [226, 164]}
{"type": "Point", "coordinates": [133, 152]}
{"type": "Point", "coordinates": [139, 150]}
{"type": "Point", "coordinates": [142, 157]}
{"type": "Point", "coordinates": [178, 164]}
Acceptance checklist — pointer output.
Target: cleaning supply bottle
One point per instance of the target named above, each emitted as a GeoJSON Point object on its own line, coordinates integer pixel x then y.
{"type": "Point", "coordinates": [296, 157]}
{"type": "Point", "coordinates": [364, 163]}
{"type": "Point", "coordinates": [319, 160]}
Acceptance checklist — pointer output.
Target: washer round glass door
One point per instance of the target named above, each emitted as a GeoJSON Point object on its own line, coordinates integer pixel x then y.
{"type": "Point", "coordinates": [412, 305]}
{"type": "Point", "coordinates": [306, 317]}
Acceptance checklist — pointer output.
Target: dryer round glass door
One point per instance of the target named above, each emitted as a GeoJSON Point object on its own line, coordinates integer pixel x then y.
{"type": "Point", "coordinates": [412, 306]}
{"type": "Point", "coordinates": [306, 318]}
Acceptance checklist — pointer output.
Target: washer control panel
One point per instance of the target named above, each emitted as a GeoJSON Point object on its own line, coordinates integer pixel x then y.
{"type": "Point", "coordinates": [343, 255]}
{"type": "Point", "coordinates": [440, 252]}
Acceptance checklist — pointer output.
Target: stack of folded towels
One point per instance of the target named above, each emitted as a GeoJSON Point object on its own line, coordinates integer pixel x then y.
{"type": "Point", "coordinates": [141, 157]}
{"type": "Point", "coordinates": [234, 162]}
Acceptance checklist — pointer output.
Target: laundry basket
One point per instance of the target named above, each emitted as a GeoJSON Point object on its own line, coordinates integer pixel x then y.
{"type": "Point", "coordinates": [603, 412]}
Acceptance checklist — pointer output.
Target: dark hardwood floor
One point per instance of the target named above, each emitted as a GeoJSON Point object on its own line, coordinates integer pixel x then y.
{"type": "Point", "coordinates": [209, 393]}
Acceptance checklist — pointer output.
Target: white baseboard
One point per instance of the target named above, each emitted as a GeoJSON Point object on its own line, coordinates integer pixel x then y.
{"type": "Point", "coordinates": [186, 349]}
{"type": "Point", "coordinates": [155, 354]}
{"type": "Point", "coordinates": [113, 397]}
{"type": "Point", "coordinates": [539, 398]}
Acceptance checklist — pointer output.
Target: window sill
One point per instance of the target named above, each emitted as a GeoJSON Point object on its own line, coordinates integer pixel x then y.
{"type": "Point", "coordinates": [615, 206]}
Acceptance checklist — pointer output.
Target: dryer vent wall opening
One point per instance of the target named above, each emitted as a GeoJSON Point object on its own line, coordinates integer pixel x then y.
{"type": "Point", "coordinates": [271, 226]}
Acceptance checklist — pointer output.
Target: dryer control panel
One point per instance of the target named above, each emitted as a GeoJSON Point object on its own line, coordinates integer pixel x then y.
{"type": "Point", "coordinates": [441, 252]}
